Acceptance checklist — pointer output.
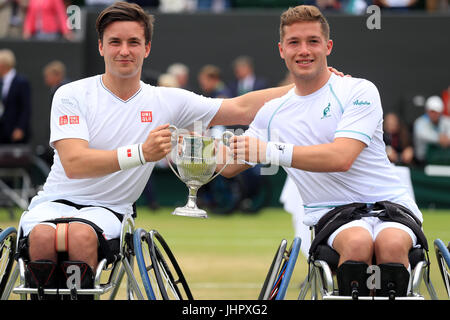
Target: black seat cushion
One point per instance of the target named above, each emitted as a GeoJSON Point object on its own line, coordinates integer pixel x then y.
{"type": "Point", "coordinates": [331, 257]}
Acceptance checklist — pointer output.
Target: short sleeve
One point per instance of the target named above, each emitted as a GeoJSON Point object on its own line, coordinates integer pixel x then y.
{"type": "Point", "coordinates": [362, 113]}
{"type": "Point", "coordinates": [66, 118]}
{"type": "Point", "coordinates": [258, 127]}
{"type": "Point", "coordinates": [193, 109]}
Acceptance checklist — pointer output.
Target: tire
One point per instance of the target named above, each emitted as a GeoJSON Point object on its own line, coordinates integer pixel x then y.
{"type": "Point", "coordinates": [271, 276]}
{"type": "Point", "coordinates": [280, 272]}
{"type": "Point", "coordinates": [8, 239]}
{"type": "Point", "coordinates": [443, 261]}
{"type": "Point", "coordinates": [144, 263]}
{"type": "Point", "coordinates": [166, 268]}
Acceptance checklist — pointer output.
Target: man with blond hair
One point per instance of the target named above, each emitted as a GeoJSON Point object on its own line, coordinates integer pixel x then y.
{"type": "Point", "coordinates": [327, 134]}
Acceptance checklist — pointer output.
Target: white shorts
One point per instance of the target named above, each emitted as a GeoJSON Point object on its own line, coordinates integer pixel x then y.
{"type": "Point", "coordinates": [103, 218]}
{"type": "Point", "coordinates": [374, 226]}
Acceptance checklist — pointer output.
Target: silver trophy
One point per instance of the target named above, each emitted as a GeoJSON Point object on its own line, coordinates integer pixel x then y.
{"type": "Point", "coordinates": [195, 158]}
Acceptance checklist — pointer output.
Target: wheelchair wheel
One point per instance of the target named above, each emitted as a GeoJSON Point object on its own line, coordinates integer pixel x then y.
{"type": "Point", "coordinates": [142, 253]}
{"type": "Point", "coordinates": [282, 269]}
{"type": "Point", "coordinates": [7, 249]}
{"type": "Point", "coordinates": [166, 268]}
{"type": "Point", "coordinates": [443, 259]}
{"type": "Point", "coordinates": [273, 270]}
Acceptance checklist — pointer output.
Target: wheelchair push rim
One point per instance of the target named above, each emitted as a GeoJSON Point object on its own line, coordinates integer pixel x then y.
{"type": "Point", "coordinates": [443, 261]}
{"type": "Point", "coordinates": [163, 271]}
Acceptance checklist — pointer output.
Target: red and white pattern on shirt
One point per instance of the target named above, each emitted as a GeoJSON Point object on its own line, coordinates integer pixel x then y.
{"type": "Point", "coordinates": [146, 116]}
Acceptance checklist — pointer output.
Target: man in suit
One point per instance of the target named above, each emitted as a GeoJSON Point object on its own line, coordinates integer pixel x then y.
{"type": "Point", "coordinates": [15, 108]}
{"type": "Point", "coordinates": [246, 80]}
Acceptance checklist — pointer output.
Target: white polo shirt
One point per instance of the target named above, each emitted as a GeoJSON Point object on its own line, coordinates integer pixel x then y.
{"type": "Point", "coordinates": [87, 110]}
{"type": "Point", "coordinates": [343, 107]}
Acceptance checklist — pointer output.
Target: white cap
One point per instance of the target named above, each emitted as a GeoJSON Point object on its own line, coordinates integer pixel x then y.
{"type": "Point", "coordinates": [434, 103]}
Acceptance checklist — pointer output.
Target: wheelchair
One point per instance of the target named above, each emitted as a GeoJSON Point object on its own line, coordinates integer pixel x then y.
{"type": "Point", "coordinates": [443, 261]}
{"type": "Point", "coordinates": [108, 275]}
{"type": "Point", "coordinates": [7, 250]}
{"type": "Point", "coordinates": [321, 280]}
{"type": "Point", "coordinates": [280, 271]}
{"type": "Point", "coordinates": [158, 268]}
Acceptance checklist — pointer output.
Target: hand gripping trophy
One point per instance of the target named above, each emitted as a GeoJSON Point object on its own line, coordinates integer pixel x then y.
{"type": "Point", "coordinates": [195, 158]}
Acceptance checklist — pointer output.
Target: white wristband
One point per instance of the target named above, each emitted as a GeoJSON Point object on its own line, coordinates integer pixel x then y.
{"type": "Point", "coordinates": [279, 153]}
{"type": "Point", "coordinates": [130, 156]}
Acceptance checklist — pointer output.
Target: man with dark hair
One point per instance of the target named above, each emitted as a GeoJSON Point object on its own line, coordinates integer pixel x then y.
{"type": "Point", "coordinates": [108, 131]}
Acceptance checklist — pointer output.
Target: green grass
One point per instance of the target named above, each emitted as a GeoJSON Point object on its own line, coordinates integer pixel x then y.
{"type": "Point", "coordinates": [227, 257]}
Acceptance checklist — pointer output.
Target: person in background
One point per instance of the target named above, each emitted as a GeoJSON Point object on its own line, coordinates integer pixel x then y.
{"type": "Point", "coordinates": [181, 73]}
{"type": "Point", "coordinates": [432, 129]}
{"type": "Point", "coordinates": [398, 142]}
{"type": "Point", "coordinates": [246, 79]}
{"type": "Point", "coordinates": [46, 20]}
{"type": "Point", "coordinates": [211, 84]}
{"type": "Point", "coordinates": [15, 107]}
{"type": "Point", "coordinates": [54, 74]}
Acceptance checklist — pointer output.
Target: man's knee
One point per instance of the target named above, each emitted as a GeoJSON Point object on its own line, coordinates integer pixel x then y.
{"type": "Point", "coordinates": [41, 243]}
{"type": "Point", "coordinates": [82, 235]}
{"type": "Point", "coordinates": [354, 244]}
{"type": "Point", "coordinates": [83, 243]}
{"type": "Point", "coordinates": [392, 246]}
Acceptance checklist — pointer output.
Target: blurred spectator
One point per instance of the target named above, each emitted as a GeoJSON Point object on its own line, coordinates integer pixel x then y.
{"type": "Point", "coordinates": [11, 17]}
{"type": "Point", "coordinates": [397, 5]}
{"type": "Point", "coordinates": [213, 5]}
{"type": "Point", "coordinates": [211, 84]}
{"type": "Point", "coordinates": [431, 129]}
{"type": "Point", "coordinates": [177, 5]}
{"type": "Point", "coordinates": [246, 80]}
{"type": "Point", "coordinates": [181, 72]}
{"type": "Point", "coordinates": [15, 110]}
{"type": "Point", "coordinates": [100, 3]}
{"type": "Point", "coordinates": [54, 76]}
{"type": "Point", "coordinates": [398, 141]}
{"type": "Point", "coordinates": [325, 5]}
{"type": "Point", "coordinates": [436, 5]}
{"type": "Point", "coordinates": [168, 80]}
{"type": "Point", "coordinates": [446, 100]}
{"type": "Point", "coordinates": [46, 20]}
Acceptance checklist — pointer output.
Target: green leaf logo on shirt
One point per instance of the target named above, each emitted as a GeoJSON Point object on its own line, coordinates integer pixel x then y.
{"type": "Point", "coordinates": [326, 111]}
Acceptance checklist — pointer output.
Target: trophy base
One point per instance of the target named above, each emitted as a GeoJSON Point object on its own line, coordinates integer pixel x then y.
{"type": "Point", "coordinates": [190, 212]}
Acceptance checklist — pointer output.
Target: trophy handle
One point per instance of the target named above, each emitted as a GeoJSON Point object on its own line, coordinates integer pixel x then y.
{"type": "Point", "coordinates": [226, 137]}
{"type": "Point", "coordinates": [174, 140]}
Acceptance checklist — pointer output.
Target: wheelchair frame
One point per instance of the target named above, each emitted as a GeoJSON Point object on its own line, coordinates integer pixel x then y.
{"type": "Point", "coordinates": [123, 265]}
{"type": "Point", "coordinates": [131, 241]}
{"type": "Point", "coordinates": [280, 271]}
{"type": "Point", "coordinates": [321, 282]}
{"type": "Point", "coordinates": [160, 268]}
{"type": "Point", "coordinates": [443, 261]}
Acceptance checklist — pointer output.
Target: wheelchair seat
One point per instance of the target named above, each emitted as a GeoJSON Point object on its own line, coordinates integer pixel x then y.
{"type": "Point", "coordinates": [117, 264]}
{"type": "Point", "coordinates": [331, 257]}
{"type": "Point", "coordinates": [323, 265]}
